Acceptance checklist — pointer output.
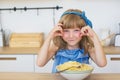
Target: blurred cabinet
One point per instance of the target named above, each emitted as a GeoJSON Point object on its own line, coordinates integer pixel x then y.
{"type": "Point", "coordinates": [16, 63]}
{"type": "Point", "coordinates": [23, 63]}
{"type": "Point", "coordinates": [113, 65]}
{"type": "Point", "coordinates": [27, 63]}
{"type": "Point", "coordinates": [46, 69]}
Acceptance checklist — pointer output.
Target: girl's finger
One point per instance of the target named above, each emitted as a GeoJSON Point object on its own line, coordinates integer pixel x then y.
{"type": "Point", "coordinates": [59, 30]}
{"type": "Point", "coordinates": [87, 31]}
{"type": "Point", "coordinates": [84, 31]}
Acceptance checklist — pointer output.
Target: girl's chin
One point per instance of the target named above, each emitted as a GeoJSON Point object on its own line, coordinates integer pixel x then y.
{"type": "Point", "coordinates": [71, 44]}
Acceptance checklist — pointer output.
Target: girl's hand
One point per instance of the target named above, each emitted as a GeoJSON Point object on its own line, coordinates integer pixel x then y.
{"type": "Point", "coordinates": [87, 31]}
{"type": "Point", "coordinates": [56, 31]}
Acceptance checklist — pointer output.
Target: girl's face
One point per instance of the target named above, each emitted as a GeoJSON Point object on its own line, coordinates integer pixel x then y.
{"type": "Point", "coordinates": [72, 36]}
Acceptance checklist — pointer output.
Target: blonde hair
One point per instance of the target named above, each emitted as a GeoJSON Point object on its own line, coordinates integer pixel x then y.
{"type": "Point", "coordinates": [72, 21]}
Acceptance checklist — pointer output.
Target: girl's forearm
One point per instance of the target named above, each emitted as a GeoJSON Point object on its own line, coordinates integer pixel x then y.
{"type": "Point", "coordinates": [42, 57]}
{"type": "Point", "coordinates": [99, 53]}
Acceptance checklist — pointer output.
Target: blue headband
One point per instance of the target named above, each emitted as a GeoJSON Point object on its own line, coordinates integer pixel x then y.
{"type": "Point", "coordinates": [82, 15]}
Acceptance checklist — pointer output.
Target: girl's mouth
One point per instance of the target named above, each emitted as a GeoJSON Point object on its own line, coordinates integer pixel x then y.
{"type": "Point", "coordinates": [71, 40]}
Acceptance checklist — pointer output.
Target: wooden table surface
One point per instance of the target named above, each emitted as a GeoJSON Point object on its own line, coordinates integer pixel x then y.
{"type": "Point", "coordinates": [49, 76]}
{"type": "Point", "coordinates": [35, 50]}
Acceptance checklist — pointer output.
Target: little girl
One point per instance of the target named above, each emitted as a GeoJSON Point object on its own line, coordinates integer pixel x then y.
{"type": "Point", "coordinates": [72, 39]}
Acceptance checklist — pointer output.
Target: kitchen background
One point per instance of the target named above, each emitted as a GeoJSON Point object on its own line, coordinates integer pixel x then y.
{"type": "Point", "coordinates": [104, 14]}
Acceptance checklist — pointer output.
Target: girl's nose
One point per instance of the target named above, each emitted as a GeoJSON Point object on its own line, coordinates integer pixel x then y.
{"type": "Point", "coordinates": [71, 34]}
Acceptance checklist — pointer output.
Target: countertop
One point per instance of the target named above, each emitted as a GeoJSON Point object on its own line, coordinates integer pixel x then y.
{"type": "Point", "coordinates": [34, 50]}
{"type": "Point", "coordinates": [19, 50]}
{"type": "Point", "coordinates": [49, 76]}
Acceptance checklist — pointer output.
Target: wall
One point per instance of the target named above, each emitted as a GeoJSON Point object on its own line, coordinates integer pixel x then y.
{"type": "Point", "coordinates": [27, 21]}
{"type": "Point", "coordinates": [103, 13]}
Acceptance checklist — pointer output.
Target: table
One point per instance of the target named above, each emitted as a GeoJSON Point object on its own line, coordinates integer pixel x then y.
{"type": "Point", "coordinates": [49, 76]}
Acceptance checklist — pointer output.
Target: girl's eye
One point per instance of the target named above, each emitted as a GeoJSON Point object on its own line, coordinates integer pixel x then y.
{"type": "Point", "coordinates": [66, 30]}
{"type": "Point", "coordinates": [76, 30]}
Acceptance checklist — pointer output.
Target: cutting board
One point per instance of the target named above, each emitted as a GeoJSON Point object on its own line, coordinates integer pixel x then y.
{"type": "Point", "coordinates": [26, 40]}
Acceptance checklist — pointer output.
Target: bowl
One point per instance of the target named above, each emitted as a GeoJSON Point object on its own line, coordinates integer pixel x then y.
{"type": "Point", "coordinates": [76, 75]}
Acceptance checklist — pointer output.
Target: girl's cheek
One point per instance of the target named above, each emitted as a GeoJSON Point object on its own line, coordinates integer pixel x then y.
{"type": "Point", "coordinates": [64, 35]}
{"type": "Point", "coordinates": [77, 35]}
